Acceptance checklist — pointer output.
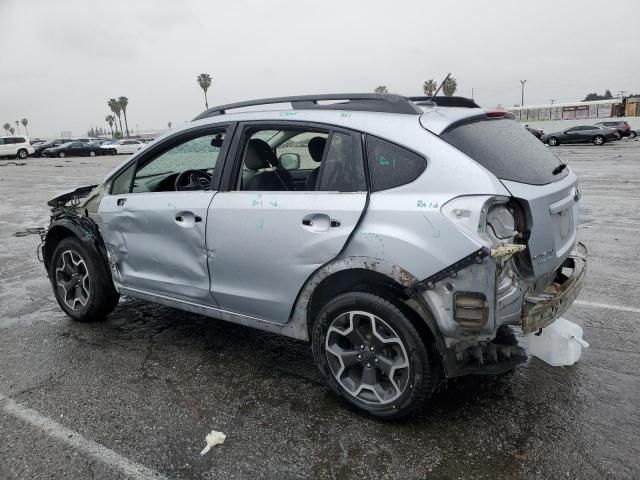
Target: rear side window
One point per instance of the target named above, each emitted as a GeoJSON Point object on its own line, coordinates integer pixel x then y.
{"type": "Point", "coordinates": [391, 165]}
{"type": "Point", "coordinates": [343, 170]}
{"type": "Point", "coordinates": [506, 150]}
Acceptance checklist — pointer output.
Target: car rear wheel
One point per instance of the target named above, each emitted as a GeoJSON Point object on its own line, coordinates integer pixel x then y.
{"type": "Point", "coordinates": [80, 282]}
{"type": "Point", "coordinates": [632, 134]}
{"type": "Point", "coordinates": [598, 140]}
{"type": "Point", "coordinates": [61, 155]}
{"type": "Point", "coordinates": [22, 154]}
{"type": "Point", "coordinates": [553, 141]}
{"type": "Point", "coordinates": [370, 354]}
{"type": "Point", "coordinates": [92, 153]}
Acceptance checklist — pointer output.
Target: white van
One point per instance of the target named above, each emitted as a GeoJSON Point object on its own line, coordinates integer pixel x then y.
{"type": "Point", "coordinates": [19, 147]}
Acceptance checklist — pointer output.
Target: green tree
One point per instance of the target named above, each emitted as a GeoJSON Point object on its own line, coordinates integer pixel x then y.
{"type": "Point", "coordinates": [18, 126]}
{"type": "Point", "coordinates": [169, 125]}
{"type": "Point", "coordinates": [24, 122]}
{"type": "Point", "coordinates": [6, 126]}
{"type": "Point", "coordinates": [114, 105]}
{"type": "Point", "coordinates": [124, 101]}
{"type": "Point", "coordinates": [204, 80]}
{"type": "Point", "coordinates": [429, 87]}
{"type": "Point", "coordinates": [11, 130]}
{"type": "Point", "coordinates": [450, 86]}
{"type": "Point", "coordinates": [110, 119]}
{"type": "Point", "coordinates": [381, 89]}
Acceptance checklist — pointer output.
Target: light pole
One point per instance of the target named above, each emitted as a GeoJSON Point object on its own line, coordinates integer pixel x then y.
{"type": "Point", "coordinates": [522, 82]}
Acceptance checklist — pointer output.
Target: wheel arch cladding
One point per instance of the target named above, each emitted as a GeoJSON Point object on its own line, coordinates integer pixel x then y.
{"type": "Point", "coordinates": [66, 227]}
{"type": "Point", "coordinates": [358, 274]}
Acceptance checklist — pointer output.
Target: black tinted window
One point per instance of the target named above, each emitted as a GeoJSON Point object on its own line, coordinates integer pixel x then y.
{"type": "Point", "coordinates": [506, 150]}
{"type": "Point", "coordinates": [391, 165]}
{"type": "Point", "coordinates": [343, 168]}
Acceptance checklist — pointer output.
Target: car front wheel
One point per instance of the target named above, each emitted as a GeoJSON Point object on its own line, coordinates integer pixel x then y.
{"type": "Point", "coordinates": [22, 154]}
{"type": "Point", "coordinates": [632, 134]}
{"type": "Point", "coordinates": [80, 282]}
{"type": "Point", "coordinates": [61, 155]}
{"type": "Point", "coordinates": [553, 141]}
{"type": "Point", "coordinates": [598, 140]}
{"type": "Point", "coordinates": [370, 354]}
{"type": "Point", "coordinates": [92, 153]}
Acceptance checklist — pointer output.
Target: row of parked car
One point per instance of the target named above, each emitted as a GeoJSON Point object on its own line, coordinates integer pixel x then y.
{"type": "Point", "coordinates": [21, 147]}
{"type": "Point", "coordinates": [598, 134]}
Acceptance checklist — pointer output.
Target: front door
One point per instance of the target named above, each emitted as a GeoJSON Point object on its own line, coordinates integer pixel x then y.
{"type": "Point", "coordinates": [269, 233]}
{"type": "Point", "coordinates": [153, 223]}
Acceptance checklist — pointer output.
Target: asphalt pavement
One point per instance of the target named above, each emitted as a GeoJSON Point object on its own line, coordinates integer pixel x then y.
{"type": "Point", "coordinates": [135, 396]}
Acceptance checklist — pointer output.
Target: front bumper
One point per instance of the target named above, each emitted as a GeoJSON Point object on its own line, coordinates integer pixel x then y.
{"type": "Point", "coordinates": [542, 309]}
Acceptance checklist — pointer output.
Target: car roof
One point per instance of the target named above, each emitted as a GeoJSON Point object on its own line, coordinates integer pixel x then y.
{"type": "Point", "coordinates": [373, 113]}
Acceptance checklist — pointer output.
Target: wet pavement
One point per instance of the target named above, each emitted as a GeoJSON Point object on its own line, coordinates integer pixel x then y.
{"type": "Point", "coordinates": [143, 389]}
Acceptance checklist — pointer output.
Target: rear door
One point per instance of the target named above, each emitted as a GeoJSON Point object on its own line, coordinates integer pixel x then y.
{"type": "Point", "coordinates": [264, 244]}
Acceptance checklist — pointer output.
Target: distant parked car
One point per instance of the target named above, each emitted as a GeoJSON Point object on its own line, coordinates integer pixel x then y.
{"type": "Point", "coordinates": [87, 140]}
{"type": "Point", "coordinates": [19, 147]}
{"type": "Point", "coordinates": [623, 128]}
{"type": "Point", "coordinates": [73, 149]}
{"type": "Point", "coordinates": [535, 132]}
{"type": "Point", "coordinates": [41, 147]}
{"type": "Point", "coordinates": [36, 141]}
{"type": "Point", "coordinates": [123, 146]}
{"type": "Point", "coordinates": [582, 134]}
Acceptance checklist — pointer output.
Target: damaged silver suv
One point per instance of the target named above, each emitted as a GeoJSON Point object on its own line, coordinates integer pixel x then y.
{"type": "Point", "coordinates": [400, 236]}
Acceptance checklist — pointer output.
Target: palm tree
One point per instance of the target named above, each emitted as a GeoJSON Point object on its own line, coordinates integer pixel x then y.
{"type": "Point", "coordinates": [24, 122]}
{"type": "Point", "coordinates": [6, 126]}
{"type": "Point", "coordinates": [18, 126]}
{"type": "Point", "coordinates": [11, 130]}
{"type": "Point", "coordinates": [204, 80]}
{"type": "Point", "coordinates": [450, 86]}
{"type": "Point", "coordinates": [429, 87]}
{"type": "Point", "coordinates": [110, 119]}
{"type": "Point", "coordinates": [124, 101]}
{"type": "Point", "coordinates": [169, 125]}
{"type": "Point", "coordinates": [114, 105]}
{"type": "Point", "coordinates": [381, 89]}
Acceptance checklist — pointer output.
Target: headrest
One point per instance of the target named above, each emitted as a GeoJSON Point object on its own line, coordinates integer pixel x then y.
{"type": "Point", "coordinates": [316, 148]}
{"type": "Point", "coordinates": [259, 155]}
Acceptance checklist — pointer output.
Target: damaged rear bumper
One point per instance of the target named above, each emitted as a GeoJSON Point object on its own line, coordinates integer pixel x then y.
{"type": "Point", "coordinates": [542, 309]}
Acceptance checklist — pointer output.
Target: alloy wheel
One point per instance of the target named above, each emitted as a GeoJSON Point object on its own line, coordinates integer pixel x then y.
{"type": "Point", "coordinates": [72, 280]}
{"type": "Point", "coordinates": [367, 357]}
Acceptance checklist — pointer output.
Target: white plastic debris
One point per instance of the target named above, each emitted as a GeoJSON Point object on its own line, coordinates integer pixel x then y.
{"type": "Point", "coordinates": [214, 438]}
{"type": "Point", "coordinates": [559, 344]}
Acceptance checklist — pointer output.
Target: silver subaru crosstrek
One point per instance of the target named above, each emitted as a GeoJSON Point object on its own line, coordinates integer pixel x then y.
{"type": "Point", "coordinates": [401, 237]}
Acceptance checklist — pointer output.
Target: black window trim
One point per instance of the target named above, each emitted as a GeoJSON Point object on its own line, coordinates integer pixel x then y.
{"type": "Point", "coordinates": [233, 163]}
{"type": "Point", "coordinates": [174, 140]}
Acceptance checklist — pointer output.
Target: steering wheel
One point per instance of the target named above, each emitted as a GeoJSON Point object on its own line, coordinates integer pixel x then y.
{"type": "Point", "coordinates": [192, 180]}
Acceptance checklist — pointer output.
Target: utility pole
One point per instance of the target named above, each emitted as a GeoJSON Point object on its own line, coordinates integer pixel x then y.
{"type": "Point", "coordinates": [621, 93]}
{"type": "Point", "coordinates": [471, 93]}
{"type": "Point", "coordinates": [552, 101]}
{"type": "Point", "coordinates": [522, 82]}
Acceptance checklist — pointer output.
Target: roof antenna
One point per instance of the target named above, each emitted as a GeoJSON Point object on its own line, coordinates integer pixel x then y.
{"type": "Point", "coordinates": [440, 87]}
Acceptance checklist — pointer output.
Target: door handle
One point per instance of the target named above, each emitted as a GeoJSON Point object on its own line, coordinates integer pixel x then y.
{"type": "Point", "coordinates": [307, 222]}
{"type": "Point", "coordinates": [121, 201]}
{"type": "Point", "coordinates": [179, 218]}
{"type": "Point", "coordinates": [197, 218]}
{"type": "Point", "coordinates": [335, 223]}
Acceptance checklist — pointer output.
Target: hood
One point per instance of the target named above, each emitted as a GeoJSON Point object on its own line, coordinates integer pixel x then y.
{"type": "Point", "coordinates": [76, 195]}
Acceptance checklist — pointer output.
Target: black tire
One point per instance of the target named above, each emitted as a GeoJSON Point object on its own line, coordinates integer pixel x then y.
{"type": "Point", "coordinates": [61, 155]}
{"type": "Point", "coordinates": [632, 134]}
{"type": "Point", "coordinates": [101, 298]}
{"type": "Point", "coordinates": [553, 141]}
{"type": "Point", "coordinates": [113, 151]}
{"type": "Point", "coordinates": [92, 153]}
{"type": "Point", "coordinates": [598, 140]}
{"type": "Point", "coordinates": [22, 154]}
{"type": "Point", "coordinates": [421, 372]}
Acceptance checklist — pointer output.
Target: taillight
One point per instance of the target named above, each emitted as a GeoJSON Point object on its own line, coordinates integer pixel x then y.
{"type": "Point", "coordinates": [495, 113]}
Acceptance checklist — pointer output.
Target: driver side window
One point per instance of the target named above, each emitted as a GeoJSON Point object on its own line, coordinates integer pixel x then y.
{"type": "Point", "coordinates": [159, 173]}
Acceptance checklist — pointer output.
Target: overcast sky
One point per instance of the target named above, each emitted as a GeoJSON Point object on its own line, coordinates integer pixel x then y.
{"type": "Point", "coordinates": [62, 60]}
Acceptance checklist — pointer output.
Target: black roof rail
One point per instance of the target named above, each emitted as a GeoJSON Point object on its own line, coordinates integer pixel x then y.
{"type": "Point", "coordinates": [445, 101]}
{"type": "Point", "coordinates": [364, 102]}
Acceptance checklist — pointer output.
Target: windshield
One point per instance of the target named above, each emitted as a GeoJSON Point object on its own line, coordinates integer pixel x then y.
{"type": "Point", "coordinates": [507, 150]}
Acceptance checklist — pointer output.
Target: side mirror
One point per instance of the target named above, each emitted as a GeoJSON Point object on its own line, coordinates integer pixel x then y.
{"type": "Point", "coordinates": [290, 161]}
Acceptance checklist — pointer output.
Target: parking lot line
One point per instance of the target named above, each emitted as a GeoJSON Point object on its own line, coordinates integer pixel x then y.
{"type": "Point", "coordinates": [75, 440]}
{"type": "Point", "coordinates": [620, 308]}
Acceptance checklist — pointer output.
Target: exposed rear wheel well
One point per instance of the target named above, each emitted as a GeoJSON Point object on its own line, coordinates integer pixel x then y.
{"type": "Point", "coordinates": [363, 280]}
